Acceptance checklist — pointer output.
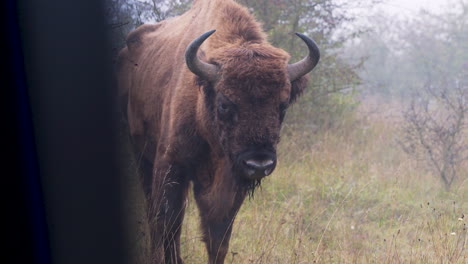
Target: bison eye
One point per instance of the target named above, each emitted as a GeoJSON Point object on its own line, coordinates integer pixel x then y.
{"type": "Point", "coordinates": [225, 108]}
{"type": "Point", "coordinates": [224, 111]}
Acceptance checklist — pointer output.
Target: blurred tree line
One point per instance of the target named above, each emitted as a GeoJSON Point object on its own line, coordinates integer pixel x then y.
{"type": "Point", "coordinates": [406, 55]}
{"type": "Point", "coordinates": [423, 62]}
{"type": "Point", "coordinates": [331, 92]}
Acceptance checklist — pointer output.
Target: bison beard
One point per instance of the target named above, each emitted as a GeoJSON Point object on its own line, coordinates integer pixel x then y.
{"type": "Point", "coordinates": [205, 108]}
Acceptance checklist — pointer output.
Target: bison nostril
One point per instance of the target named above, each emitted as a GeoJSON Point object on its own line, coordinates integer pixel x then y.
{"type": "Point", "coordinates": [260, 168]}
{"type": "Point", "coordinates": [259, 165]}
{"type": "Point", "coordinates": [256, 165]}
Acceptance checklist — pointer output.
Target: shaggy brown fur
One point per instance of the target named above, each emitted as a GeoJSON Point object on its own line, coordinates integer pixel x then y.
{"type": "Point", "coordinates": [181, 128]}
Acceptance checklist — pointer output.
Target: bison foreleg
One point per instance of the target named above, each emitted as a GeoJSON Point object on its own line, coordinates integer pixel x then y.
{"type": "Point", "coordinates": [166, 212]}
{"type": "Point", "coordinates": [217, 225]}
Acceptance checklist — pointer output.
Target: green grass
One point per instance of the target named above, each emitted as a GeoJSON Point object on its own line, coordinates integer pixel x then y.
{"type": "Point", "coordinates": [338, 197]}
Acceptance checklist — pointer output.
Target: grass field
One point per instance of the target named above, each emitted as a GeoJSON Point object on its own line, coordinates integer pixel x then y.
{"type": "Point", "coordinates": [344, 196]}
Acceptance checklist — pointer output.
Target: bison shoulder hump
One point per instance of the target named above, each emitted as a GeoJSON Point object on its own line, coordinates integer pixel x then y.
{"type": "Point", "coordinates": [135, 38]}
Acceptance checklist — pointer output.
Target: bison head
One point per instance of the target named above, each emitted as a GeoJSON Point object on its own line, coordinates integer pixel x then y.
{"type": "Point", "coordinates": [247, 89]}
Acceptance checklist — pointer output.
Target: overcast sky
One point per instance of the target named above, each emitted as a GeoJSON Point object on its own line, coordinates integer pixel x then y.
{"type": "Point", "coordinates": [405, 9]}
{"type": "Point", "coordinates": [412, 7]}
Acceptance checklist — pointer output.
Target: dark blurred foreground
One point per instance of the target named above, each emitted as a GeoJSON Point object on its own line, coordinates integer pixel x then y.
{"type": "Point", "coordinates": [62, 188]}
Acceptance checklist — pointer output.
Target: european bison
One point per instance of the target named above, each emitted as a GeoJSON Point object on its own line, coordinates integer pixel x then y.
{"type": "Point", "coordinates": [205, 108]}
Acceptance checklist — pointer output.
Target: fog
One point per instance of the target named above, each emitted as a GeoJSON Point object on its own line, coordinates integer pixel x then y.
{"type": "Point", "coordinates": [373, 154]}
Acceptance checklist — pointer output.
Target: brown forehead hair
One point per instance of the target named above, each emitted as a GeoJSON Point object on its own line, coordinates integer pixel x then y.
{"type": "Point", "coordinates": [256, 70]}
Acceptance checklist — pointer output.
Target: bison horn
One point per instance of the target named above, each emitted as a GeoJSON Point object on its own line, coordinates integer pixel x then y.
{"type": "Point", "coordinates": [300, 68]}
{"type": "Point", "coordinates": [205, 70]}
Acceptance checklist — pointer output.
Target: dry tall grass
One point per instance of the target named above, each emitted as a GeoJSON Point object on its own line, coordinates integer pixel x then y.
{"type": "Point", "coordinates": [345, 196]}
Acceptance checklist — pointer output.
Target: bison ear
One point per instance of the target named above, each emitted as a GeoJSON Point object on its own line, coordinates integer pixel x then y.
{"type": "Point", "coordinates": [297, 88]}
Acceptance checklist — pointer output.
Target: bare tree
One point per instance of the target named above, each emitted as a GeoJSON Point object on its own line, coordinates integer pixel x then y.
{"type": "Point", "coordinates": [436, 127]}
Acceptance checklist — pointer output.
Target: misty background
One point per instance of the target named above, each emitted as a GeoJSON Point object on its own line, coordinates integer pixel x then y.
{"type": "Point", "coordinates": [370, 47]}
{"type": "Point", "coordinates": [393, 50]}
{"type": "Point", "coordinates": [377, 144]}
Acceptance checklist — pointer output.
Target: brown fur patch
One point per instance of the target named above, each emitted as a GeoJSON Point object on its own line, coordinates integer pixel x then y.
{"type": "Point", "coordinates": [257, 69]}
